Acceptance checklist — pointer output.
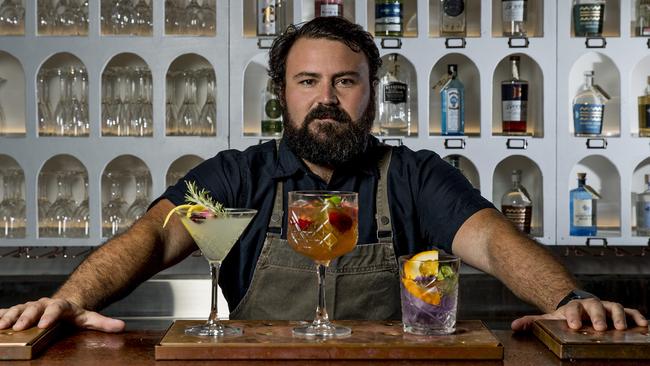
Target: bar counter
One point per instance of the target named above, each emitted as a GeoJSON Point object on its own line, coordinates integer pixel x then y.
{"type": "Point", "coordinates": [135, 346]}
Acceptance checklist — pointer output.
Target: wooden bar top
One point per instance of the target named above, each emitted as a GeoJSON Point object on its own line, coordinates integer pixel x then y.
{"type": "Point", "coordinates": [136, 347]}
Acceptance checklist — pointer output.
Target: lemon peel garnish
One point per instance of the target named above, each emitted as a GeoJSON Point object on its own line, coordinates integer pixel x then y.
{"type": "Point", "coordinates": [181, 207]}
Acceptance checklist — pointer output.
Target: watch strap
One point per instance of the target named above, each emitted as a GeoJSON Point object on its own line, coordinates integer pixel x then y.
{"type": "Point", "coordinates": [575, 295]}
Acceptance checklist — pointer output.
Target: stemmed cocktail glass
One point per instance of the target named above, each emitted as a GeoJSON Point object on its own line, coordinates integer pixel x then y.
{"type": "Point", "coordinates": [322, 226]}
{"type": "Point", "coordinates": [215, 234]}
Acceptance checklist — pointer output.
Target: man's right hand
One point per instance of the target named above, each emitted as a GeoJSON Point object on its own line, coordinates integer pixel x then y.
{"type": "Point", "coordinates": [47, 311]}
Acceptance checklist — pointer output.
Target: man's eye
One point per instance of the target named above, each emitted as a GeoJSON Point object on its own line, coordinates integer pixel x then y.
{"type": "Point", "coordinates": [306, 82]}
{"type": "Point", "coordinates": [345, 82]}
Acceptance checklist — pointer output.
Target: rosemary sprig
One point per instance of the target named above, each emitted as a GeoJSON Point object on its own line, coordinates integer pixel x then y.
{"type": "Point", "coordinates": [202, 197]}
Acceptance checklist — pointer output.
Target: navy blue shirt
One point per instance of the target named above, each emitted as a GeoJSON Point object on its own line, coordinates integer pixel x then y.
{"type": "Point", "coordinates": [429, 199]}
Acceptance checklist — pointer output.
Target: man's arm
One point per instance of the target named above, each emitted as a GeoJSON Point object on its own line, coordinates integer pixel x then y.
{"type": "Point", "coordinates": [489, 242]}
{"type": "Point", "coordinates": [110, 272]}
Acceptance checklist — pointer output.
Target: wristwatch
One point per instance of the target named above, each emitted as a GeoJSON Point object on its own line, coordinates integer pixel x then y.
{"type": "Point", "coordinates": [575, 295]}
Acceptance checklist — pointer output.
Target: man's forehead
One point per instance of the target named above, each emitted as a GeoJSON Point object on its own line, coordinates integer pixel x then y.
{"type": "Point", "coordinates": [321, 54]}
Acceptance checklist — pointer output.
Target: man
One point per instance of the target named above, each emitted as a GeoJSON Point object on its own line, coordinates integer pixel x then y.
{"type": "Point", "coordinates": [325, 74]}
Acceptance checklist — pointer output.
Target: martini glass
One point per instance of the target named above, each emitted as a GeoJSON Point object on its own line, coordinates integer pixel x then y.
{"type": "Point", "coordinates": [322, 226]}
{"type": "Point", "coordinates": [215, 235]}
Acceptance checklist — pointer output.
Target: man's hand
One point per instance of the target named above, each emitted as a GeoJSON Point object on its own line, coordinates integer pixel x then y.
{"type": "Point", "coordinates": [47, 311]}
{"type": "Point", "coordinates": [576, 311]}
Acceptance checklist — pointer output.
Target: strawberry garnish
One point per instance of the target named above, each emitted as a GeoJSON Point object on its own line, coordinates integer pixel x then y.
{"type": "Point", "coordinates": [304, 224]}
{"type": "Point", "coordinates": [340, 221]}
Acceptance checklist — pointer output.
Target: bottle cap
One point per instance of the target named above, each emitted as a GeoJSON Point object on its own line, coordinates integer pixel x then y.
{"type": "Point", "coordinates": [452, 68]}
{"type": "Point", "coordinates": [514, 58]}
{"type": "Point", "coordinates": [589, 73]}
{"type": "Point", "coordinates": [582, 176]}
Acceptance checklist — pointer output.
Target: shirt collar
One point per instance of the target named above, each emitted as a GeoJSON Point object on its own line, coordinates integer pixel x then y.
{"type": "Point", "coordinates": [288, 164]}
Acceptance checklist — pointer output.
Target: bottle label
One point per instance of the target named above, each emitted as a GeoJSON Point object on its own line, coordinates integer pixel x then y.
{"type": "Point", "coordinates": [330, 10]}
{"type": "Point", "coordinates": [453, 110]}
{"type": "Point", "coordinates": [647, 116]}
{"type": "Point", "coordinates": [453, 8]}
{"type": "Point", "coordinates": [588, 19]}
{"type": "Point", "coordinates": [395, 92]}
{"type": "Point", "coordinates": [644, 31]}
{"type": "Point", "coordinates": [514, 110]}
{"type": "Point", "coordinates": [266, 17]}
{"type": "Point", "coordinates": [388, 17]}
{"type": "Point", "coordinates": [520, 216]}
{"type": "Point", "coordinates": [273, 109]}
{"type": "Point", "coordinates": [582, 213]}
{"type": "Point", "coordinates": [271, 127]}
{"type": "Point", "coordinates": [644, 212]}
{"type": "Point", "coordinates": [513, 10]}
{"type": "Point", "coordinates": [588, 118]}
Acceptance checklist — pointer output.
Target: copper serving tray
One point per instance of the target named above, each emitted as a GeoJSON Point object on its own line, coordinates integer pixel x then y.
{"type": "Point", "coordinates": [270, 340]}
{"type": "Point", "coordinates": [25, 344]}
{"type": "Point", "coordinates": [588, 343]}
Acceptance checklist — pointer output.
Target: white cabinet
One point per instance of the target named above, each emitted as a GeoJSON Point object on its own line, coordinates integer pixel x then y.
{"type": "Point", "coordinates": [549, 155]}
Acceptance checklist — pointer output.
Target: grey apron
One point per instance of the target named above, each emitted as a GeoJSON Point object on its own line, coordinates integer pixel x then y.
{"type": "Point", "coordinates": [363, 284]}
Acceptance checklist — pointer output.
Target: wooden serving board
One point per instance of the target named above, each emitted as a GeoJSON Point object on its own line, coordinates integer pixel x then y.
{"type": "Point", "coordinates": [25, 344]}
{"type": "Point", "coordinates": [270, 340]}
{"type": "Point", "coordinates": [587, 343]}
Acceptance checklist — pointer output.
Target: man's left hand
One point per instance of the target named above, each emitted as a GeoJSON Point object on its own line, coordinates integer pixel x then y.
{"type": "Point", "coordinates": [595, 310]}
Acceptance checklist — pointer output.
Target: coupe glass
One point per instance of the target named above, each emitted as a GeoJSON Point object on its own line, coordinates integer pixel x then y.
{"type": "Point", "coordinates": [215, 235]}
{"type": "Point", "coordinates": [322, 226]}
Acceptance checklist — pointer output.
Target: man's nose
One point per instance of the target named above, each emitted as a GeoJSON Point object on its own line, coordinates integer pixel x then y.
{"type": "Point", "coordinates": [328, 95]}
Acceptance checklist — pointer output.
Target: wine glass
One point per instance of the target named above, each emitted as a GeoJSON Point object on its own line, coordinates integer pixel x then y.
{"type": "Point", "coordinates": [78, 103]}
{"type": "Point", "coordinates": [141, 108]}
{"type": "Point", "coordinates": [215, 234]}
{"type": "Point", "coordinates": [122, 17]}
{"type": "Point", "coordinates": [208, 115]}
{"type": "Point", "coordinates": [143, 18]}
{"type": "Point", "coordinates": [81, 215]}
{"type": "Point", "coordinates": [63, 110]}
{"type": "Point", "coordinates": [46, 17]}
{"type": "Point", "coordinates": [113, 213]}
{"type": "Point", "coordinates": [322, 226]}
{"type": "Point", "coordinates": [12, 17]}
{"type": "Point", "coordinates": [141, 202]}
{"type": "Point", "coordinates": [172, 15]}
{"type": "Point", "coordinates": [188, 114]}
{"type": "Point", "coordinates": [12, 206]}
{"type": "Point", "coordinates": [209, 18]}
{"type": "Point", "coordinates": [45, 123]}
{"type": "Point", "coordinates": [3, 119]}
{"type": "Point", "coordinates": [171, 123]}
{"type": "Point", "coordinates": [59, 215]}
{"type": "Point", "coordinates": [192, 17]}
{"type": "Point", "coordinates": [43, 202]}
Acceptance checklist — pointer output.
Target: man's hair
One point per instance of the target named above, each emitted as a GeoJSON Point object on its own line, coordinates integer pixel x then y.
{"type": "Point", "coordinates": [331, 28]}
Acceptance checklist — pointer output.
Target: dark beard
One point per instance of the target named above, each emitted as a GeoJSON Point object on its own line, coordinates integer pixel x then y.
{"type": "Point", "coordinates": [344, 140]}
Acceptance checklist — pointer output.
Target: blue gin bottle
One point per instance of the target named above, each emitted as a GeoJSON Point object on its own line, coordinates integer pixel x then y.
{"type": "Point", "coordinates": [452, 100]}
{"type": "Point", "coordinates": [582, 209]}
{"type": "Point", "coordinates": [589, 108]}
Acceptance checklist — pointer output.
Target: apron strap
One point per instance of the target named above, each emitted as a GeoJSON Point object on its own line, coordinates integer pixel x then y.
{"type": "Point", "coordinates": [275, 223]}
{"type": "Point", "coordinates": [384, 228]}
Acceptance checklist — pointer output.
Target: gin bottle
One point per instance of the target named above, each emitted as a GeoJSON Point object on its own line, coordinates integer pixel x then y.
{"type": "Point", "coordinates": [452, 98]}
{"type": "Point", "coordinates": [644, 112]}
{"type": "Point", "coordinates": [452, 18]}
{"type": "Point", "coordinates": [271, 112]}
{"type": "Point", "coordinates": [393, 95]}
{"type": "Point", "coordinates": [582, 209]}
{"type": "Point", "coordinates": [643, 210]}
{"type": "Point", "coordinates": [588, 17]}
{"type": "Point", "coordinates": [516, 204]}
{"type": "Point", "coordinates": [514, 101]}
{"type": "Point", "coordinates": [643, 18]}
{"type": "Point", "coordinates": [328, 8]}
{"type": "Point", "coordinates": [266, 18]}
{"type": "Point", "coordinates": [589, 108]}
{"type": "Point", "coordinates": [514, 14]}
{"type": "Point", "coordinates": [389, 18]}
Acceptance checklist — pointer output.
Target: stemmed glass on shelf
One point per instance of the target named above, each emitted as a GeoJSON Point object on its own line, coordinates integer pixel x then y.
{"type": "Point", "coordinates": [12, 18]}
{"type": "Point", "coordinates": [113, 212]}
{"type": "Point", "coordinates": [12, 206]}
{"type": "Point", "coordinates": [3, 118]}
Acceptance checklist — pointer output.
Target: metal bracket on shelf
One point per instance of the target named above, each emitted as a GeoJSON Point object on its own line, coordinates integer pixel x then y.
{"type": "Point", "coordinates": [599, 143]}
{"type": "Point", "coordinates": [603, 242]}
{"type": "Point", "coordinates": [264, 43]}
{"type": "Point", "coordinates": [517, 144]}
{"type": "Point", "coordinates": [393, 141]}
{"type": "Point", "coordinates": [454, 143]}
{"type": "Point", "coordinates": [391, 43]}
{"type": "Point", "coordinates": [455, 42]}
{"type": "Point", "coordinates": [518, 42]}
{"type": "Point", "coordinates": [595, 42]}
{"type": "Point", "coordinates": [648, 43]}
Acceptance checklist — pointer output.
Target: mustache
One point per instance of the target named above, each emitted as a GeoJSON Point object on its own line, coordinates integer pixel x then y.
{"type": "Point", "coordinates": [328, 112]}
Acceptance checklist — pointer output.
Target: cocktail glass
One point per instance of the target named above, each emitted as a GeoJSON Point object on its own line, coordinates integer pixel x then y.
{"type": "Point", "coordinates": [215, 235]}
{"type": "Point", "coordinates": [429, 292]}
{"type": "Point", "coordinates": [322, 226]}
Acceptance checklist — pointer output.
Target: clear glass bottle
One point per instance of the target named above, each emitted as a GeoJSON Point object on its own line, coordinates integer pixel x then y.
{"type": "Point", "coordinates": [643, 18]}
{"type": "Point", "coordinates": [644, 112]}
{"type": "Point", "coordinates": [643, 210]}
{"type": "Point", "coordinates": [266, 18]}
{"type": "Point", "coordinates": [389, 18]}
{"type": "Point", "coordinates": [393, 99]}
{"type": "Point", "coordinates": [588, 17]}
{"type": "Point", "coordinates": [452, 101]}
{"type": "Point", "coordinates": [582, 209]}
{"type": "Point", "coordinates": [516, 204]}
{"type": "Point", "coordinates": [514, 101]}
{"type": "Point", "coordinates": [271, 111]}
{"type": "Point", "coordinates": [514, 14]}
{"type": "Point", "coordinates": [452, 18]}
{"type": "Point", "coordinates": [589, 108]}
{"type": "Point", "coordinates": [328, 8]}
